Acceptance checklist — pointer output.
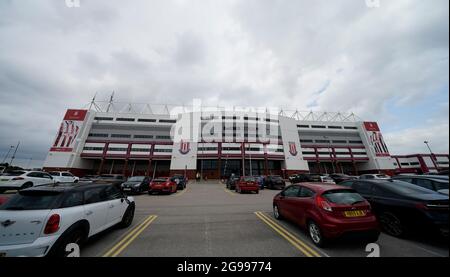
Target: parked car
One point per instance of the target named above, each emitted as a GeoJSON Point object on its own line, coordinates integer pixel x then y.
{"type": "Point", "coordinates": [275, 182]}
{"type": "Point", "coordinates": [112, 179]}
{"type": "Point", "coordinates": [180, 180]}
{"type": "Point", "coordinates": [89, 178]}
{"type": "Point", "coordinates": [231, 182]}
{"type": "Point", "coordinates": [374, 177]}
{"type": "Point", "coordinates": [402, 207]}
{"type": "Point", "coordinates": [443, 172]}
{"type": "Point", "coordinates": [63, 177]}
{"type": "Point", "coordinates": [304, 178]}
{"type": "Point", "coordinates": [261, 180]}
{"type": "Point", "coordinates": [339, 177]}
{"type": "Point", "coordinates": [311, 178]}
{"type": "Point", "coordinates": [162, 185]}
{"type": "Point", "coordinates": [3, 200]}
{"type": "Point", "coordinates": [42, 221]}
{"type": "Point", "coordinates": [17, 180]}
{"type": "Point", "coordinates": [247, 184]}
{"type": "Point", "coordinates": [327, 212]}
{"type": "Point", "coordinates": [433, 182]}
{"type": "Point", "coordinates": [136, 184]}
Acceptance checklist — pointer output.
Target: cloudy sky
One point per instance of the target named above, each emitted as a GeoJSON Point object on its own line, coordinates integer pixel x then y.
{"type": "Point", "coordinates": [389, 63]}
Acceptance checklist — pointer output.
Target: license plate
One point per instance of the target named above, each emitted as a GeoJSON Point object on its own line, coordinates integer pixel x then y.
{"type": "Point", "coordinates": [2, 254]}
{"type": "Point", "coordinates": [354, 213]}
{"type": "Point", "coordinates": [127, 189]}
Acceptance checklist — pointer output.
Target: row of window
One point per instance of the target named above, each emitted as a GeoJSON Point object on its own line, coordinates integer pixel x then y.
{"type": "Point", "coordinates": [121, 149]}
{"type": "Point", "coordinates": [331, 141]}
{"type": "Point", "coordinates": [408, 164]}
{"type": "Point", "coordinates": [238, 117]}
{"type": "Point", "coordinates": [99, 135]}
{"type": "Point", "coordinates": [327, 127]}
{"type": "Point", "coordinates": [337, 153]}
{"type": "Point", "coordinates": [128, 119]}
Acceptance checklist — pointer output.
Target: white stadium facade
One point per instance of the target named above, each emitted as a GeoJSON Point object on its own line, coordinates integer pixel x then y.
{"type": "Point", "coordinates": [158, 140]}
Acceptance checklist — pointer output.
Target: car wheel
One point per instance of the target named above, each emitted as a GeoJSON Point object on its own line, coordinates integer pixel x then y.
{"type": "Point", "coordinates": [128, 217]}
{"type": "Point", "coordinates": [76, 236]}
{"type": "Point", "coordinates": [391, 224]}
{"type": "Point", "coordinates": [316, 234]}
{"type": "Point", "coordinates": [26, 185]}
{"type": "Point", "coordinates": [257, 192]}
{"type": "Point", "coordinates": [277, 213]}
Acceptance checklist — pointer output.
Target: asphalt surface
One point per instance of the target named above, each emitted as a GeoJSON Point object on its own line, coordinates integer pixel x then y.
{"type": "Point", "coordinates": [206, 220]}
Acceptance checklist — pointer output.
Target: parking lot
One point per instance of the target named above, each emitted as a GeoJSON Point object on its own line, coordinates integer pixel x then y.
{"type": "Point", "coordinates": [207, 220]}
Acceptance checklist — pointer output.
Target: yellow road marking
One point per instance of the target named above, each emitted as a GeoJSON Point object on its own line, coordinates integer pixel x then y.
{"type": "Point", "coordinates": [296, 242]}
{"type": "Point", "coordinates": [229, 191]}
{"type": "Point", "coordinates": [132, 235]}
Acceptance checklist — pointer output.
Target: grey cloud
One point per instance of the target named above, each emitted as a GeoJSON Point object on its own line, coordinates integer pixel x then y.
{"type": "Point", "coordinates": [252, 52]}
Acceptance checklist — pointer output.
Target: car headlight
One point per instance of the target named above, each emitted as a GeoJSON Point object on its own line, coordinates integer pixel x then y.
{"type": "Point", "coordinates": [137, 185]}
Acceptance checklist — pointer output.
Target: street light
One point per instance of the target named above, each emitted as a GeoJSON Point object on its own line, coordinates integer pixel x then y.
{"type": "Point", "coordinates": [7, 154]}
{"type": "Point", "coordinates": [433, 157]}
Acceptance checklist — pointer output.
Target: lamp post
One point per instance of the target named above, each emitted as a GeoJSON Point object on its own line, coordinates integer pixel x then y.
{"type": "Point", "coordinates": [433, 157]}
{"type": "Point", "coordinates": [14, 154]}
{"type": "Point", "coordinates": [7, 154]}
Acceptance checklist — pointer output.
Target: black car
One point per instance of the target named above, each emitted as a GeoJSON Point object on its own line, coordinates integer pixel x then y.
{"type": "Point", "coordinates": [113, 179]}
{"type": "Point", "coordinates": [433, 182]}
{"type": "Point", "coordinates": [180, 180]}
{"type": "Point", "coordinates": [304, 178]}
{"type": "Point", "coordinates": [231, 182]}
{"type": "Point", "coordinates": [339, 177]}
{"type": "Point", "coordinates": [274, 182]}
{"type": "Point", "coordinates": [136, 184]}
{"type": "Point", "coordinates": [402, 207]}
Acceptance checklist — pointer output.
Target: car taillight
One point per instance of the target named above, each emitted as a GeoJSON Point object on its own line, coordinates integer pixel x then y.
{"type": "Point", "coordinates": [323, 204]}
{"type": "Point", "coordinates": [52, 224]}
{"type": "Point", "coordinates": [17, 178]}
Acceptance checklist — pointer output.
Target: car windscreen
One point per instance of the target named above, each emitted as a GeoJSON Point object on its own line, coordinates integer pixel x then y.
{"type": "Point", "coordinates": [54, 173]}
{"type": "Point", "coordinates": [277, 178]}
{"type": "Point", "coordinates": [32, 200]}
{"type": "Point", "coordinates": [136, 179]}
{"type": "Point", "coordinates": [343, 197]}
{"type": "Point", "coordinates": [249, 179]}
{"type": "Point", "coordinates": [13, 173]}
{"type": "Point", "coordinates": [106, 176]}
{"type": "Point", "coordinates": [403, 188]}
{"type": "Point", "coordinates": [382, 176]}
{"type": "Point", "coordinates": [441, 185]}
{"type": "Point", "coordinates": [159, 180]}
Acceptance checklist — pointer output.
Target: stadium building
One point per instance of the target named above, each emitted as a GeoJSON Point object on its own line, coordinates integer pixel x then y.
{"type": "Point", "coordinates": [139, 139]}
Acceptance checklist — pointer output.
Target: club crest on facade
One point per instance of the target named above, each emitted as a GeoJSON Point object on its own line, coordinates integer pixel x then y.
{"type": "Point", "coordinates": [184, 147]}
{"type": "Point", "coordinates": [293, 149]}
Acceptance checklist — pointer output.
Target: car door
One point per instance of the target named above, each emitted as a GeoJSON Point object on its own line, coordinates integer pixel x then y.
{"type": "Point", "coordinates": [302, 204]}
{"type": "Point", "coordinates": [287, 203]}
{"type": "Point", "coordinates": [116, 205]}
{"type": "Point", "coordinates": [34, 178]}
{"type": "Point", "coordinates": [96, 208]}
{"type": "Point", "coordinates": [40, 178]}
{"type": "Point", "coordinates": [67, 177]}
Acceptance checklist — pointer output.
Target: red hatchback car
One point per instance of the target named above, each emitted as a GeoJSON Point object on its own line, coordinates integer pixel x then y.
{"type": "Point", "coordinates": [162, 185]}
{"type": "Point", "coordinates": [247, 184]}
{"type": "Point", "coordinates": [327, 211]}
{"type": "Point", "coordinates": [3, 200]}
